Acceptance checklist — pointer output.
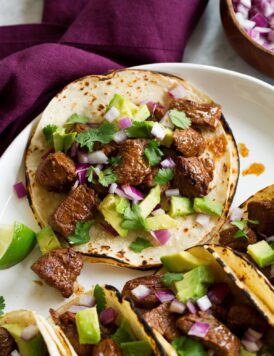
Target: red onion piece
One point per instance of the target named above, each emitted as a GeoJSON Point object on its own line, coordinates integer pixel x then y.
{"type": "Point", "coordinates": [158, 211]}
{"type": "Point", "coordinates": [168, 163]}
{"type": "Point", "coordinates": [76, 308]}
{"type": "Point", "coordinates": [82, 157]}
{"type": "Point", "coordinates": [29, 332]}
{"type": "Point", "coordinates": [270, 238]}
{"type": "Point", "coordinates": [81, 170]}
{"type": "Point", "coordinates": [250, 346]}
{"type": "Point", "coordinates": [125, 122]}
{"type": "Point", "coordinates": [199, 329]}
{"type": "Point", "coordinates": [121, 193]}
{"type": "Point", "coordinates": [259, 19]}
{"type": "Point", "coordinates": [141, 291]}
{"type": "Point", "coordinates": [74, 149]}
{"type": "Point", "coordinates": [236, 214]}
{"type": "Point", "coordinates": [15, 353]}
{"type": "Point", "coordinates": [20, 190]}
{"type": "Point", "coordinates": [172, 192]}
{"type": "Point", "coordinates": [158, 131]}
{"type": "Point", "coordinates": [177, 307]}
{"type": "Point", "coordinates": [112, 114]}
{"type": "Point", "coordinates": [218, 292]}
{"type": "Point", "coordinates": [191, 306]}
{"type": "Point", "coordinates": [119, 137]}
{"type": "Point", "coordinates": [108, 316]}
{"type": "Point", "coordinates": [162, 236]}
{"type": "Point", "coordinates": [165, 295]}
{"type": "Point", "coordinates": [204, 303]}
{"type": "Point", "coordinates": [252, 335]}
{"type": "Point", "coordinates": [132, 192]}
{"type": "Point", "coordinates": [109, 229]}
{"type": "Point", "coordinates": [112, 188]}
{"type": "Point", "coordinates": [178, 92]}
{"type": "Point", "coordinates": [97, 157]}
{"type": "Point", "coordinates": [166, 122]}
{"type": "Point", "coordinates": [87, 300]}
{"type": "Point", "coordinates": [202, 219]}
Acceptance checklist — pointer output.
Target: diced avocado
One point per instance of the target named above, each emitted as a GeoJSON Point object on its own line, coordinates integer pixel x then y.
{"type": "Point", "coordinates": [181, 262]}
{"type": "Point", "coordinates": [142, 113]}
{"type": "Point", "coordinates": [150, 201]}
{"type": "Point", "coordinates": [244, 352]}
{"type": "Point", "coordinates": [180, 206]}
{"type": "Point", "coordinates": [161, 222]}
{"type": "Point", "coordinates": [168, 139]}
{"type": "Point", "coordinates": [47, 240]}
{"type": "Point", "coordinates": [135, 348]}
{"type": "Point", "coordinates": [126, 107]}
{"type": "Point", "coordinates": [62, 141]}
{"type": "Point", "coordinates": [35, 346]}
{"type": "Point", "coordinates": [121, 204]}
{"type": "Point", "coordinates": [186, 346]}
{"type": "Point", "coordinates": [262, 253]}
{"type": "Point", "coordinates": [195, 283]}
{"type": "Point", "coordinates": [207, 206]}
{"type": "Point", "coordinates": [108, 208]}
{"type": "Point", "coordinates": [140, 129]}
{"type": "Point", "coordinates": [123, 333]}
{"type": "Point", "coordinates": [88, 327]}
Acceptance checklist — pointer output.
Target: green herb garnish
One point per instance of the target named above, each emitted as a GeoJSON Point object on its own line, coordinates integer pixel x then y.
{"type": "Point", "coordinates": [133, 219]}
{"type": "Point", "coordinates": [81, 233]}
{"type": "Point", "coordinates": [139, 245]}
{"type": "Point", "coordinates": [77, 119]}
{"type": "Point", "coordinates": [115, 160]}
{"type": "Point", "coordinates": [163, 176]}
{"type": "Point", "coordinates": [105, 178]}
{"type": "Point", "coordinates": [140, 129]}
{"type": "Point", "coordinates": [169, 277]}
{"type": "Point", "coordinates": [48, 132]}
{"type": "Point", "coordinates": [2, 305]}
{"type": "Point", "coordinates": [185, 345]}
{"type": "Point", "coordinates": [242, 227]}
{"type": "Point", "coordinates": [153, 152]}
{"type": "Point", "coordinates": [179, 119]}
{"type": "Point", "coordinates": [99, 295]}
{"type": "Point", "coordinates": [123, 333]}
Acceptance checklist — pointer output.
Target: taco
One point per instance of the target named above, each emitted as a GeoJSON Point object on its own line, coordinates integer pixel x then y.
{"type": "Point", "coordinates": [132, 153]}
{"type": "Point", "coordinates": [250, 231]}
{"type": "Point", "coordinates": [197, 305]}
{"type": "Point", "coordinates": [99, 322]}
{"type": "Point", "coordinates": [30, 334]}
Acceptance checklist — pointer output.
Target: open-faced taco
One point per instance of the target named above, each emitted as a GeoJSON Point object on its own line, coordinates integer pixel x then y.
{"type": "Point", "coordinates": [197, 305]}
{"type": "Point", "coordinates": [250, 231]}
{"type": "Point", "coordinates": [131, 154]}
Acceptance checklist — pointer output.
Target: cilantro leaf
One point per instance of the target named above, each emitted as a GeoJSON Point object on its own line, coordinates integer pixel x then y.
{"type": "Point", "coordinates": [115, 160]}
{"type": "Point", "coordinates": [2, 305]}
{"type": "Point", "coordinates": [240, 224]}
{"type": "Point", "coordinates": [77, 119]}
{"type": "Point", "coordinates": [163, 176]}
{"type": "Point", "coordinates": [179, 119]}
{"type": "Point", "coordinates": [100, 298]}
{"type": "Point", "coordinates": [90, 174]}
{"type": "Point", "coordinates": [153, 152]}
{"type": "Point", "coordinates": [133, 219]}
{"type": "Point", "coordinates": [242, 227]}
{"type": "Point", "coordinates": [185, 345]}
{"type": "Point", "coordinates": [139, 244]}
{"type": "Point", "coordinates": [48, 132]}
{"type": "Point", "coordinates": [81, 233]}
{"type": "Point", "coordinates": [272, 245]}
{"type": "Point", "coordinates": [105, 178]}
{"type": "Point", "coordinates": [123, 333]}
{"type": "Point", "coordinates": [103, 134]}
{"type": "Point", "coordinates": [169, 277]}
{"type": "Point", "coordinates": [140, 129]}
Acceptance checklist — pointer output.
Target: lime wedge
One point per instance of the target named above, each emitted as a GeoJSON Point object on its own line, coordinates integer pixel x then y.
{"type": "Point", "coordinates": [16, 242]}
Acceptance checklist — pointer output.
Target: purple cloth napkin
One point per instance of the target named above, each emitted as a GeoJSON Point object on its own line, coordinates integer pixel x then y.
{"type": "Point", "coordinates": [82, 37]}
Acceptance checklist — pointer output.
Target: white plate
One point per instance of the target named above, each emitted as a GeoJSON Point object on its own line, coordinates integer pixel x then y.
{"type": "Point", "coordinates": [248, 105]}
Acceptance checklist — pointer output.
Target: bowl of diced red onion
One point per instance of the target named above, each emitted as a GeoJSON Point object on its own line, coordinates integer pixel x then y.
{"type": "Point", "coordinates": [249, 26]}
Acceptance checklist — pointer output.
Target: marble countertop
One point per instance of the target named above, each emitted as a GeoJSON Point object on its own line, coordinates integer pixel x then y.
{"type": "Point", "coordinates": [208, 44]}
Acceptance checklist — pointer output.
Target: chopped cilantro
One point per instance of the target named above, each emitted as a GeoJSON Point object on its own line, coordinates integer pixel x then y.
{"type": "Point", "coordinates": [115, 160]}
{"type": "Point", "coordinates": [103, 134]}
{"type": "Point", "coordinates": [163, 176]}
{"type": "Point", "coordinates": [185, 345]}
{"type": "Point", "coordinates": [133, 219]}
{"type": "Point", "coordinates": [242, 227]}
{"type": "Point", "coordinates": [139, 244]}
{"type": "Point", "coordinates": [140, 129]}
{"type": "Point", "coordinates": [77, 119]}
{"type": "Point", "coordinates": [89, 174]}
{"type": "Point", "coordinates": [169, 277]}
{"type": "Point", "coordinates": [81, 233]}
{"type": "Point", "coordinates": [272, 244]}
{"type": "Point", "coordinates": [123, 333]}
{"type": "Point", "coordinates": [105, 178]}
{"type": "Point", "coordinates": [48, 132]}
{"type": "Point", "coordinates": [2, 305]}
{"type": "Point", "coordinates": [153, 152]}
{"type": "Point", "coordinates": [121, 204]}
{"type": "Point", "coordinates": [179, 119]}
{"type": "Point", "coordinates": [100, 298]}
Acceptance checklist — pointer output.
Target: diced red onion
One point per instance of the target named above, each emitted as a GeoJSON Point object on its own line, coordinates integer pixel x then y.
{"type": "Point", "coordinates": [97, 157]}
{"type": "Point", "coordinates": [20, 190]}
{"type": "Point", "coordinates": [177, 307]}
{"type": "Point", "coordinates": [165, 121]}
{"type": "Point", "coordinates": [246, 3]}
{"type": "Point", "coordinates": [178, 92]}
{"type": "Point", "coordinates": [108, 316]}
{"type": "Point", "coordinates": [81, 170]}
{"type": "Point", "coordinates": [271, 36]}
{"type": "Point", "coordinates": [164, 295]}
{"type": "Point", "coordinates": [121, 193]}
{"type": "Point", "coordinates": [250, 346]}
{"type": "Point", "coordinates": [112, 114]}
{"type": "Point", "coordinates": [168, 163]}
{"type": "Point", "coordinates": [125, 122]}
{"type": "Point", "coordinates": [119, 136]}
{"type": "Point", "coordinates": [87, 300]}
{"type": "Point", "coordinates": [204, 303]}
{"type": "Point", "coordinates": [15, 353]}
{"type": "Point", "coordinates": [199, 329]}
{"type": "Point", "coordinates": [259, 19]}
{"type": "Point", "coordinates": [172, 192]}
{"type": "Point", "coordinates": [29, 332]}
{"type": "Point", "coordinates": [252, 335]}
{"type": "Point", "coordinates": [161, 236]}
{"type": "Point", "coordinates": [132, 192]}
{"type": "Point", "coordinates": [270, 238]}
{"type": "Point", "coordinates": [191, 306]}
{"type": "Point", "coordinates": [152, 106]}
{"type": "Point", "coordinates": [262, 29]}
{"type": "Point", "coordinates": [100, 354]}
{"type": "Point", "coordinates": [141, 291]}
{"type": "Point", "coordinates": [243, 10]}
{"type": "Point", "coordinates": [202, 219]}
{"type": "Point", "coordinates": [76, 308]}
{"type": "Point", "coordinates": [82, 157]}
{"type": "Point", "coordinates": [158, 131]}
{"type": "Point", "coordinates": [236, 214]}
{"type": "Point", "coordinates": [112, 188]}
{"type": "Point", "coordinates": [109, 229]}
{"type": "Point", "coordinates": [74, 149]}
{"type": "Point", "coordinates": [218, 292]}
{"type": "Point", "coordinates": [158, 211]}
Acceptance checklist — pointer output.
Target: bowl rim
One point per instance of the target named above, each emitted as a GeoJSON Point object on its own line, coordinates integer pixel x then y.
{"type": "Point", "coordinates": [243, 32]}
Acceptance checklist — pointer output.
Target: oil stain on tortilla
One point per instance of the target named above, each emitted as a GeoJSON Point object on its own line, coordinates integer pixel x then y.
{"type": "Point", "coordinates": [244, 151]}
{"type": "Point", "coordinates": [254, 168]}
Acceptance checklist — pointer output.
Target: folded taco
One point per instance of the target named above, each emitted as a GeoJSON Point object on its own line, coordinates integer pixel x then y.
{"type": "Point", "coordinates": [197, 305]}
{"type": "Point", "coordinates": [128, 154]}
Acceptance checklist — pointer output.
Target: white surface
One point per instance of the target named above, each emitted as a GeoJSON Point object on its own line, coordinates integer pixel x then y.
{"type": "Point", "coordinates": [248, 107]}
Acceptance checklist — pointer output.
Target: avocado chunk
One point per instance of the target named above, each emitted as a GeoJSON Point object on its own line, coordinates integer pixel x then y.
{"type": "Point", "coordinates": [150, 201]}
{"type": "Point", "coordinates": [180, 206]}
{"type": "Point", "coordinates": [181, 262]}
{"type": "Point", "coordinates": [142, 114]}
{"type": "Point", "coordinates": [244, 352]}
{"type": "Point", "coordinates": [161, 222]}
{"type": "Point", "coordinates": [207, 206]}
{"type": "Point", "coordinates": [47, 240]}
{"type": "Point", "coordinates": [135, 348]}
{"type": "Point", "coordinates": [62, 141]}
{"type": "Point", "coordinates": [108, 208]}
{"type": "Point", "coordinates": [195, 283]}
{"type": "Point", "coordinates": [121, 204]}
{"type": "Point", "coordinates": [168, 139]}
{"type": "Point", "coordinates": [34, 346]}
{"type": "Point", "coordinates": [126, 107]}
{"type": "Point", "coordinates": [262, 253]}
{"type": "Point", "coordinates": [88, 327]}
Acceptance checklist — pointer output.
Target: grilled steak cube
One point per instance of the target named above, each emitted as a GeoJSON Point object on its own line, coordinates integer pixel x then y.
{"type": "Point", "coordinates": [56, 172]}
{"type": "Point", "coordinates": [218, 338]}
{"type": "Point", "coordinates": [107, 347]}
{"type": "Point", "coordinates": [79, 205]}
{"type": "Point", "coordinates": [227, 238]}
{"type": "Point", "coordinates": [59, 268]}
{"type": "Point", "coordinates": [205, 114]}
{"type": "Point", "coordinates": [193, 175]}
{"type": "Point", "coordinates": [263, 211]}
{"type": "Point", "coordinates": [162, 320]}
{"type": "Point", "coordinates": [7, 343]}
{"type": "Point", "coordinates": [189, 142]}
{"type": "Point", "coordinates": [134, 168]}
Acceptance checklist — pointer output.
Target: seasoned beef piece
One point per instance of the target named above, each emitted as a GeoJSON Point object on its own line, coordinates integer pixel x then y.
{"type": "Point", "coordinates": [80, 205]}
{"type": "Point", "coordinates": [162, 320]}
{"type": "Point", "coordinates": [263, 211]}
{"type": "Point", "coordinates": [66, 321]}
{"type": "Point", "coordinates": [109, 149]}
{"type": "Point", "coordinates": [107, 347]}
{"type": "Point", "coordinates": [218, 338]}
{"type": "Point", "coordinates": [200, 114]}
{"type": "Point", "coordinates": [152, 282]}
{"type": "Point", "coordinates": [193, 175]}
{"type": "Point", "coordinates": [227, 238]}
{"type": "Point", "coordinates": [157, 113]}
{"type": "Point", "coordinates": [56, 172]}
{"type": "Point", "coordinates": [189, 142]}
{"type": "Point", "coordinates": [59, 268]}
{"type": "Point", "coordinates": [7, 343]}
{"type": "Point", "coordinates": [240, 317]}
{"type": "Point", "coordinates": [134, 168]}
{"type": "Point", "coordinates": [219, 312]}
